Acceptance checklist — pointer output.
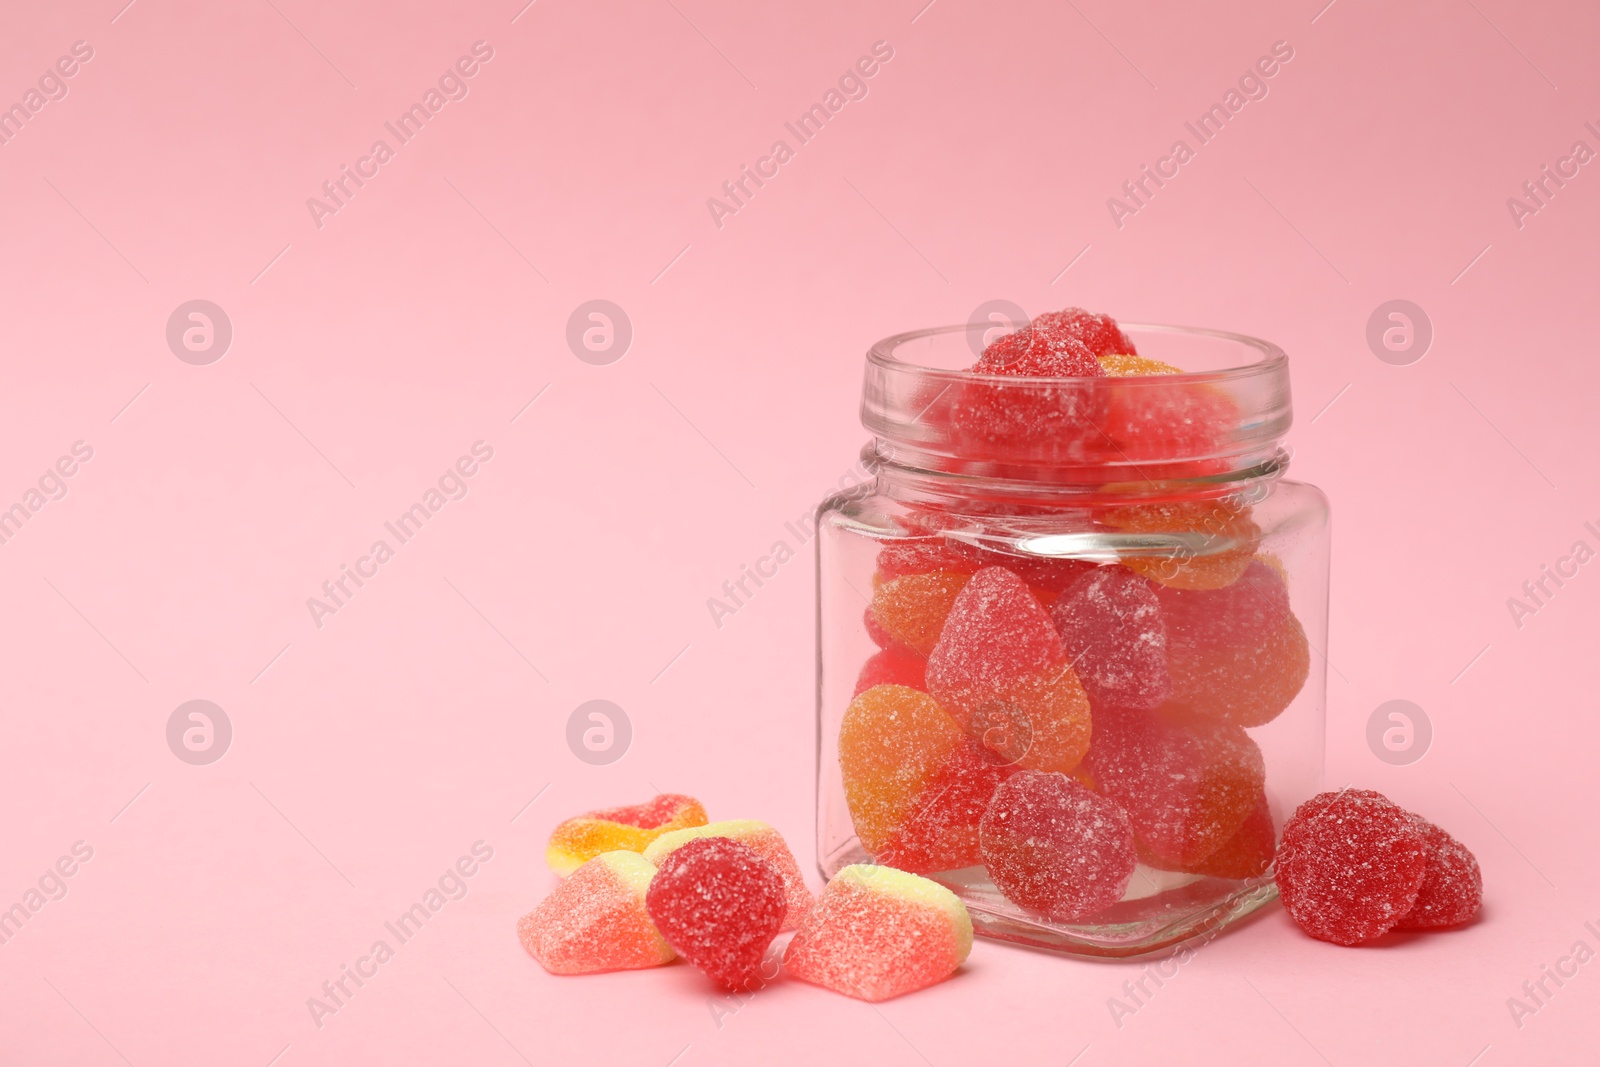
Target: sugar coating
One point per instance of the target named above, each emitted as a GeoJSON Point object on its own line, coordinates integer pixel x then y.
{"type": "Point", "coordinates": [1350, 865]}
{"type": "Point", "coordinates": [1056, 847]}
{"type": "Point", "coordinates": [756, 835]}
{"type": "Point", "coordinates": [912, 608]}
{"type": "Point", "coordinates": [1227, 539]}
{"type": "Point", "coordinates": [1032, 352]}
{"type": "Point", "coordinates": [877, 933]}
{"type": "Point", "coordinates": [1124, 365]}
{"type": "Point", "coordinates": [1243, 614]}
{"type": "Point", "coordinates": [922, 555]}
{"type": "Point", "coordinates": [628, 828]}
{"type": "Point", "coordinates": [999, 668]}
{"type": "Point", "coordinates": [996, 418]}
{"type": "Point", "coordinates": [1247, 854]}
{"type": "Point", "coordinates": [1186, 789]}
{"type": "Point", "coordinates": [875, 631]}
{"type": "Point", "coordinates": [719, 903]}
{"type": "Point", "coordinates": [1100, 334]}
{"type": "Point", "coordinates": [1112, 629]}
{"type": "Point", "coordinates": [892, 666]}
{"type": "Point", "coordinates": [915, 783]}
{"type": "Point", "coordinates": [1245, 685]}
{"type": "Point", "coordinates": [1452, 889]}
{"type": "Point", "coordinates": [596, 920]}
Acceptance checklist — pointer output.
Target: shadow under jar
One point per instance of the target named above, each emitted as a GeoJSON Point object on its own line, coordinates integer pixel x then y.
{"type": "Point", "coordinates": [1096, 601]}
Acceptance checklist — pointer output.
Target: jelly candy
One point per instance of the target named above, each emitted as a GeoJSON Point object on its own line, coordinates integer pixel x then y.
{"type": "Point", "coordinates": [924, 554]}
{"type": "Point", "coordinates": [1247, 854]}
{"type": "Point", "coordinates": [1222, 538]}
{"type": "Point", "coordinates": [1243, 614]}
{"type": "Point", "coordinates": [596, 920]}
{"type": "Point", "coordinates": [1123, 365]}
{"type": "Point", "coordinates": [880, 637]}
{"type": "Point", "coordinates": [877, 932]}
{"type": "Point", "coordinates": [1056, 847]}
{"type": "Point", "coordinates": [756, 835]}
{"type": "Point", "coordinates": [1351, 865]}
{"type": "Point", "coordinates": [1452, 890]}
{"type": "Point", "coordinates": [1000, 670]}
{"type": "Point", "coordinates": [1187, 789]}
{"type": "Point", "coordinates": [1111, 627]}
{"type": "Point", "coordinates": [912, 608]}
{"type": "Point", "coordinates": [999, 418]}
{"type": "Point", "coordinates": [1035, 353]}
{"type": "Point", "coordinates": [915, 782]}
{"type": "Point", "coordinates": [629, 828]}
{"type": "Point", "coordinates": [1100, 334]}
{"type": "Point", "coordinates": [892, 666]}
{"type": "Point", "coordinates": [719, 904]}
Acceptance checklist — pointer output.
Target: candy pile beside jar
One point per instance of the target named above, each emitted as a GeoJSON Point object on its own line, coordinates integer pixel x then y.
{"type": "Point", "coordinates": [1071, 638]}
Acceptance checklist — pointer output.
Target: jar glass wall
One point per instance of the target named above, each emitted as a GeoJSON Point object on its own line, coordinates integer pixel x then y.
{"type": "Point", "coordinates": [1105, 579]}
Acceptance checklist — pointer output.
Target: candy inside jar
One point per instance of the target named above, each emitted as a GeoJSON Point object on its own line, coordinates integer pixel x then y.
{"type": "Point", "coordinates": [1069, 639]}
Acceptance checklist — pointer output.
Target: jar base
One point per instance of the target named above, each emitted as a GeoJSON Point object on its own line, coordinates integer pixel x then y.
{"type": "Point", "coordinates": [1162, 910]}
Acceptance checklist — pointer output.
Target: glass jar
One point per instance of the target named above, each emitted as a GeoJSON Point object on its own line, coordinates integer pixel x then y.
{"type": "Point", "coordinates": [1106, 582]}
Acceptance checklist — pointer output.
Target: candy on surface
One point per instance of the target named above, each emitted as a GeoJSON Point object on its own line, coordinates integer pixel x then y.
{"type": "Point", "coordinates": [1224, 538]}
{"type": "Point", "coordinates": [1124, 365]}
{"type": "Point", "coordinates": [1112, 629]}
{"type": "Point", "coordinates": [878, 932]}
{"type": "Point", "coordinates": [1452, 890]}
{"type": "Point", "coordinates": [756, 835]}
{"type": "Point", "coordinates": [596, 920]}
{"type": "Point", "coordinates": [912, 608]}
{"type": "Point", "coordinates": [1100, 334]}
{"type": "Point", "coordinates": [892, 666]}
{"type": "Point", "coordinates": [1056, 847]}
{"type": "Point", "coordinates": [916, 784]}
{"type": "Point", "coordinates": [1186, 789]}
{"type": "Point", "coordinates": [1243, 685]}
{"type": "Point", "coordinates": [1000, 670]}
{"type": "Point", "coordinates": [719, 904]}
{"type": "Point", "coordinates": [1351, 865]}
{"type": "Point", "coordinates": [629, 828]}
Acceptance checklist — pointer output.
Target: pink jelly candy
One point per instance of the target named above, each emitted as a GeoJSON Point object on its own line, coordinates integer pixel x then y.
{"type": "Point", "coordinates": [922, 555]}
{"type": "Point", "coordinates": [1186, 789]}
{"type": "Point", "coordinates": [996, 417]}
{"type": "Point", "coordinates": [999, 669]}
{"type": "Point", "coordinates": [940, 830]}
{"type": "Point", "coordinates": [757, 835]}
{"type": "Point", "coordinates": [895, 665]}
{"type": "Point", "coordinates": [719, 904]}
{"type": "Point", "coordinates": [596, 919]}
{"type": "Point", "coordinates": [1032, 352]}
{"type": "Point", "coordinates": [1100, 334]}
{"type": "Point", "coordinates": [877, 932]}
{"type": "Point", "coordinates": [1452, 890]}
{"type": "Point", "coordinates": [1111, 626]}
{"type": "Point", "coordinates": [1351, 865]}
{"type": "Point", "coordinates": [1056, 847]}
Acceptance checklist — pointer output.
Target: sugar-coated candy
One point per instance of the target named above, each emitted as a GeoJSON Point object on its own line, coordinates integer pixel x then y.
{"type": "Point", "coordinates": [1056, 847]}
{"type": "Point", "coordinates": [1221, 539]}
{"type": "Point", "coordinates": [878, 932]}
{"type": "Point", "coordinates": [924, 554]}
{"type": "Point", "coordinates": [1032, 352]}
{"type": "Point", "coordinates": [1186, 789]}
{"type": "Point", "coordinates": [912, 608]}
{"type": "Point", "coordinates": [875, 631]}
{"type": "Point", "coordinates": [1240, 615]}
{"type": "Point", "coordinates": [1000, 670]}
{"type": "Point", "coordinates": [1351, 865]}
{"type": "Point", "coordinates": [1245, 686]}
{"type": "Point", "coordinates": [1112, 629]}
{"type": "Point", "coordinates": [1123, 365]}
{"type": "Point", "coordinates": [1247, 854]}
{"type": "Point", "coordinates": [915, 783]}
{"type": "Point", "coordinates": [1100, 334]}
{"type": "Point", "coordinates": [596, 920]}
{"type": "Point", "coordinates": [1452, 890]}
{"type": "Point", "coordinates": [892, 666]}
{"type": "Point", "coordinates": [1057, 419]}
{"type": "Point", "coordinates": [719, 904]}
{"type": "Point", "coordinates": [1166, 422]}
{"type": "Point", "coordinates": [756, 835]}
{"type": "Point", "coordinates": [629, 828]}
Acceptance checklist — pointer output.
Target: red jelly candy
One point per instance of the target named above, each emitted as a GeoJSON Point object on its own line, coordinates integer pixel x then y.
{"type": "Point", "coordinates": [1248, 853]}
{"type": "Point", "coordinates": [912, 608]}
{"type": "Point", "coordinates": [922, 555]}
{"type": "Point", "coordinates": [1111, 627]}
{"type": "Point", "coordinates": [719, 904]}
{"type": "Point", "coordinates": [1187, 790]}
{"type": "Point", "coordinates": [1351, 865]}
{"type": "Point", "coordinates": [1000, 670]}
{"type": "Point", "coordinates": [892, 666]}
{"type": "Point", "coordinates": [1452, 890]}
{"type": "Point", "coordinates": [1000, 418]}
{"type": "Point", "coordinates": [1039, 353]}
{"type": "Point", "coordinates": [1056, 847]}
{"type": "Point", "coordinates": [1100, 334]}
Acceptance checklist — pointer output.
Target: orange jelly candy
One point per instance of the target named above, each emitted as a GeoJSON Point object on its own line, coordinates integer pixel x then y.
{"type": "Point", "coordinates": [1223, 534]}
{"type": "Point", "coordinates": [912, 608]}
{"type": "Point", "coordinates": [627, 829]}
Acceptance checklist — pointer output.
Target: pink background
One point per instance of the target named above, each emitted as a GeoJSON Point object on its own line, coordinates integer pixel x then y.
{"type": "Point", "coordinates": [369, 753]}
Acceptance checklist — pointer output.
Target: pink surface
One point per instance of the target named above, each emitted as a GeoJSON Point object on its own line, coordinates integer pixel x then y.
{"type": "Point", "coordinates": [371, 752]}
